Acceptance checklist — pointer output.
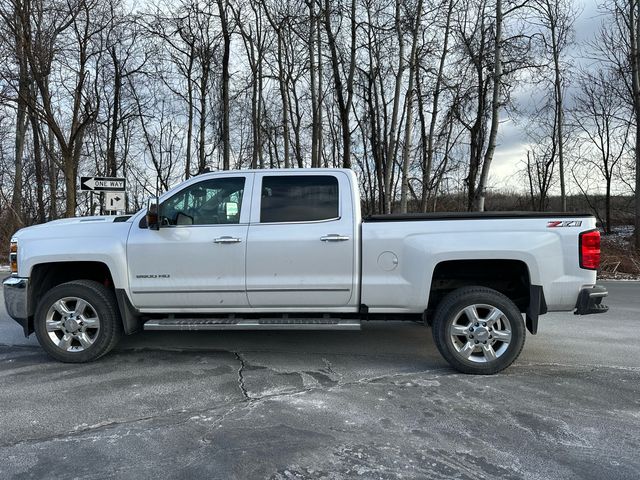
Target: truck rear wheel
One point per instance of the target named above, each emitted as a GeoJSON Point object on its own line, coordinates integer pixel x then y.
{"type": "Point", "coordinates": [478, 330]}
{"type": "Point", "coordinates": [78, 321]}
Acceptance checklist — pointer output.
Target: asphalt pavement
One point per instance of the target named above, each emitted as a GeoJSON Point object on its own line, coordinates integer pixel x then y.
{"type": "Point", "coordinates": [374, 404]}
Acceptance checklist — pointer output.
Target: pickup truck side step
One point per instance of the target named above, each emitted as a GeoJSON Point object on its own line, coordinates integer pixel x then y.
{"type": "Point", "coordinates": [252, 324]}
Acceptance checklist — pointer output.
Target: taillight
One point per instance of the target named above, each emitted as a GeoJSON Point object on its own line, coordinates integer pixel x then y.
{"type": "Point", "coordinates": [13, 256]}
{"type": "Point", "coordinates": [589, 245]}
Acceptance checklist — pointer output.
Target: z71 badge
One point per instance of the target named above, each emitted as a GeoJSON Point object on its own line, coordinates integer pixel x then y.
{"type": "Point", "coordinates": [565, 223]}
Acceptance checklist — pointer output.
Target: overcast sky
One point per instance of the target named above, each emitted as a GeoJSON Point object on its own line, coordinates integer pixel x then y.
{"type": "Point", "coordinates": [512, 145]}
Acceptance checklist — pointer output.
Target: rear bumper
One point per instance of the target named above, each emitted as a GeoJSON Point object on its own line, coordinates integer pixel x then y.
{"type": "Point", "coordinates": [16, 299]}
{"type": "Point", "coordinates": [590, 300]}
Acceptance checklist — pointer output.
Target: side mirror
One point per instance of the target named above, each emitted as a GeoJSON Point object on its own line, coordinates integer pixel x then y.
{"type": "Point", "coordinates": [153, 220]}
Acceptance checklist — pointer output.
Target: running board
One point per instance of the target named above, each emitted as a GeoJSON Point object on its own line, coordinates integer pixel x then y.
{"type": "Point", "coordinates": [253, 324]}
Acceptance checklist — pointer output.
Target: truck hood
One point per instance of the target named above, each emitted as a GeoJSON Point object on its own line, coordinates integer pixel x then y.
{"type": "Point", "coordinates": [83, 239]}
{"type": "Point", "coordinates": [92, 219]}
{"type": "Point", "coordinates": [65, 223]}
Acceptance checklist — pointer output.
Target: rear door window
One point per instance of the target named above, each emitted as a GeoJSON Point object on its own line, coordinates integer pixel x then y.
{"type": "Point", "coordinates": [299, 198]}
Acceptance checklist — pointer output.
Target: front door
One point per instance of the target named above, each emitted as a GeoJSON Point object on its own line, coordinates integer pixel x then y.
{"type": "Point", "coordinates": [196, 260]}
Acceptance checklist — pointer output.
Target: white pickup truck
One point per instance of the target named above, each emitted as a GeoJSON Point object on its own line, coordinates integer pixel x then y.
{"type": "Point", "coordinates": [288, 249]}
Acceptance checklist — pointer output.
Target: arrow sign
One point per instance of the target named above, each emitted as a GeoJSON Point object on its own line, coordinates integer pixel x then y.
{"type": "Point", "coordinates": [114, 201]}
{"type": "Point", "coordinates": [102, 184]}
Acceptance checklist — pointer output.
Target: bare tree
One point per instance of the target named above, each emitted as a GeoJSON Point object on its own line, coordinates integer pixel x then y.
{"type": "Point", "coordinates": [410, 94]}
{"type": "Point", "coordinates": [126, 59]}
{"type": "Point", "coordinates": [12, 14]}
{"type": "Point", "coordinates": [605, 132]}
{"type": "Point", "coordinates": [41, 36]}
{"type": "Point", "coordinates": [339, 66]}
{"type": "Point", "coordinates": [315, 80]}
{"type": "Point", "coordinates": [617, 45]}
{"type": "Point", "coordinates": [256, 40]}
{"type": "Point", "coordinates": [557, 19]}
{"type": "Point", "coordinates": [406, 150]}
{"type": "Point", "coordinates": [428, 138]}
{"type": "Point", "coordinates": [539, 173]}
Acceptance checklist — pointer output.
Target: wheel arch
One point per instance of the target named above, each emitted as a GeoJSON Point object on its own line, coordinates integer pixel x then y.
{"type": "Point", "coordinates": [510, 277]}
{"type": "Point", "coordinates": [45, 276]}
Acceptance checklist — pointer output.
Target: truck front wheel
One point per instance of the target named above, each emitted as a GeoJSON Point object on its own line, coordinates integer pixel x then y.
{"type": "Point", "coordinates": [78, 321]}
{"type": "Point", "coordinates": [478, 330]}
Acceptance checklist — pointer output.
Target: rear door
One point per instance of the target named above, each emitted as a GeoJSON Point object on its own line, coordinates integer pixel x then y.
{"type": "Point", "coordinates": [301, 242]}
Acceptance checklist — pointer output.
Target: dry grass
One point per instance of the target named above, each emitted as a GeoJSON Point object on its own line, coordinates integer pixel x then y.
{"type": "Point", "coordinates": [619, 260]}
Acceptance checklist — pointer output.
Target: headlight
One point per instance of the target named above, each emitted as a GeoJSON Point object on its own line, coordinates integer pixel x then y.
{"type": "Point", "coordinates": [13, 257]}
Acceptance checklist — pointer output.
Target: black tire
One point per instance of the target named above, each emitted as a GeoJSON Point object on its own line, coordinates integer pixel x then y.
{"type": "Point", "coordinates": [469, 353]}
{"type": "Point", "coordinates": [101, 306]}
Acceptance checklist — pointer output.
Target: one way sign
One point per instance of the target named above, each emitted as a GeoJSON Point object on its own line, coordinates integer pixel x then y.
{"type": "Point", "coordinates": [102, 184]}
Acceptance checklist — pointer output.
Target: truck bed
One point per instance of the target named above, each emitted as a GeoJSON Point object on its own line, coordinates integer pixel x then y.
{"type": "Point", "coordinates": [409, 217]}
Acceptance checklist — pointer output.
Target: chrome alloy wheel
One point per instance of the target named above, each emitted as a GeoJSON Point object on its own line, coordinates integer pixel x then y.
{"type": "Point", "coordinates": [72, 324]}
{"type": "Point", "coordinates": [480, 333]}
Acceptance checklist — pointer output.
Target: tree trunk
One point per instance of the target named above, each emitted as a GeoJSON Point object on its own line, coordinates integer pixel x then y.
{"type": "Point", "coordinates": [532, 195]}
{"type": "Point", "coordinates": [202, 154]}
{"type": "Point", "coordinates": [260, 112]}
{"type": "Point", "coordinates": [53, 175]}
{"type": "Point", "coordinates": [607, 208]}
{"type": "Point", "coordinates": [115, 116]}
{"type": "Point", "coordinates": [314, 93]}
{"type": "Point", "coordinates": [69, 182]}
{"type": "Point", "coordinates": [371, 95]}
{"type": "Point", "coordinates": [320, 145]}
{"type": "Point", "coordinates": [226, 35]}
{"type": "Point", "coordinates": [296, 125]}
{"type": "Point", "coordinates": [346, 125]}
{"type": "Point", "coordinates": [37, 158]}
{"type": "Point", "coordinates": [495, 112]}
{"type": "Point", "coordinates": [637, 189]}
{"type": "Point", "coordinates": [634, 44]}
{"type": "Point", "coordinates": [24, 92]}
{"type": "Point", "coordinates": [255, 125]}
{"type": "Point", "coordinates": [559, 110]}
{"type": "Point", "coordinates": [408, 129]}
{"type": "Point", "coordinates": [21, 130]}
{"type": "Point", "coordinates": [282, 80]}
{"type": "Point", "coordinates": [344, 105]}
{"type": "Point", "coordinates": [391, 143]}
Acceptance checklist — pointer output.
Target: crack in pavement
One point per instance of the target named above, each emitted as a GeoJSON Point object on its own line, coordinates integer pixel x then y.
{"type": "Point", "coordinates": [255, 399]}
{"type": "Point", "coordinates": [248, 402]}
{"type": "Point", "coordinates": [329, 367]}
{"type": "Point", "coordinates": [593, 366]}
{"type": "Point", "coordinates": [11, 345]}
{"type": "Point", "coordinates": [241, 383]}
{"type": "Point", "coordinates": [182, 416]}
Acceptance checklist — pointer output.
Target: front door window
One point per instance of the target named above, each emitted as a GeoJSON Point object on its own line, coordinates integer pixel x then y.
{"type": "Point", "coordinates": [211, 202]}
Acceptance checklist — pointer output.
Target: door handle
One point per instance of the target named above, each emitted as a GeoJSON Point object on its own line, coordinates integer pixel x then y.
{"type": "Point", "coordinates": [227, 239]}
{"type": "Point", "coordinates": [334, 237]}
